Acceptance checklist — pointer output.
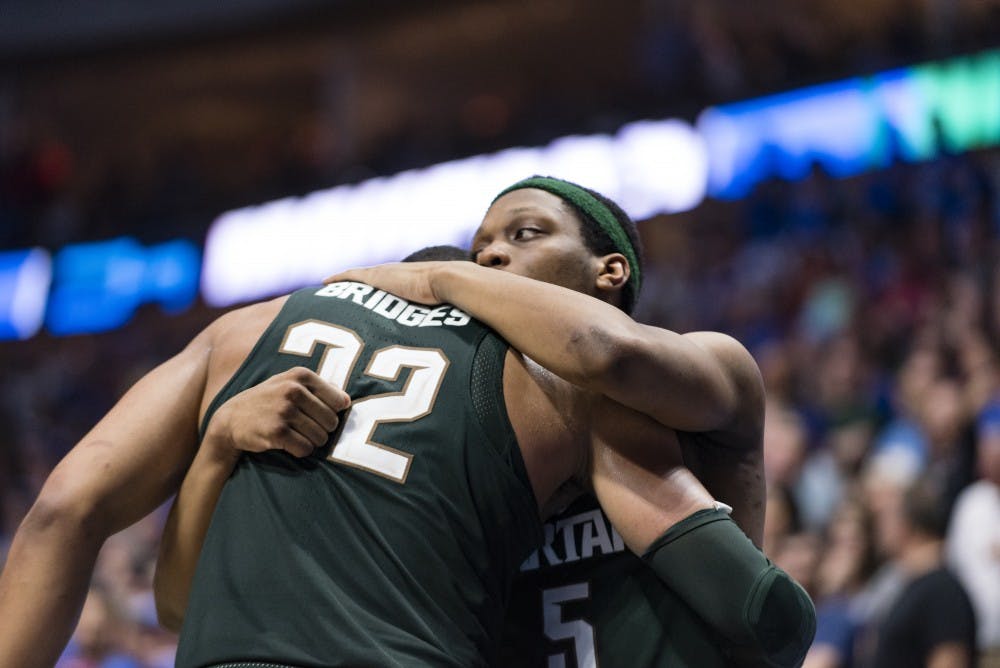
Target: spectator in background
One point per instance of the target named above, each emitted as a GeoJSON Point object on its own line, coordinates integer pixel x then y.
{"type": "Point", "coordinates": [944, 418]}
{"type": "Point", "coordinates": [973, 542]}
{"type": "Point", "coordinates": [832, 470]}
{"type": "Point", "coordinates": [101, 637]}
{"type": "Point", "coordinates": [903, 437]}
{"type": "Point", "coordinates": [931, 622]}
{"type": "Point", "coordinates": [799, 556]}
{"type": "Point", "coordinates": [847, 563]}
{"type": "Point", "coordinates": [781, 519]}
{"type": "Point", "coordinates": [785, 439]}
{"type": "Point", "coordinates": [883, 482]}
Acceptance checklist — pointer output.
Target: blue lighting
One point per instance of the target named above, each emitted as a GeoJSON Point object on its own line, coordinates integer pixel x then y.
{"type": "Point", "coordinates": [24, 287]}
{"type": "Point", "coordinates": [98, 286]}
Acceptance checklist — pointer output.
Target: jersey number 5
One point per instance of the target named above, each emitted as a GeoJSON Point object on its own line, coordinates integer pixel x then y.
{"type": "Point", "coordinates": [577, 630]}
{"type": "Point", "coordinates": [355, 446]}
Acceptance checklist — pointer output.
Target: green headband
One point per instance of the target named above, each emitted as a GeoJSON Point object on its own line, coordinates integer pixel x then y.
{"type": "Point", "coordinates": [593, 208]}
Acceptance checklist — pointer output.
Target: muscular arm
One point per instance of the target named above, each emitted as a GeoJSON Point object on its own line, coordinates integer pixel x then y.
{"type": "Point", "coordinates": [128, 465]}
{"type": "Point", "coordinates": [668, 518]}
{"type": "Point", "coordinates": [185, 529]}
{"type": "Point", "coordinates": [702, 381]}
{"type": "Point", "coordinates": [641, 481]}
{"type": "Point", "coordinates": [293, 411]}
{"type": "Point", "coordinates": [693, 382]}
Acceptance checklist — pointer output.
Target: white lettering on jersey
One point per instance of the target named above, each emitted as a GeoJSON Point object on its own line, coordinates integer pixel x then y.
{"type": "Point", "coordinates": [374, 299]}
{"type": "Point", "coordinates": [390, 306]}
{"type": "Point", "coordinates": [413, 315]}
{"type": "Point", "coordinates": [393, 307]}
{"type": "Point", "coordinates": [357, 293]}
{"type": "Point", "coordinates": [433, 318]}
{"type": "Point", "coordinates": [583, 536]}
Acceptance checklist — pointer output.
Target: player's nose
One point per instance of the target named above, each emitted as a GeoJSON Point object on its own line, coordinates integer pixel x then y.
{"type": "Point", "coordinates": [494, 256]}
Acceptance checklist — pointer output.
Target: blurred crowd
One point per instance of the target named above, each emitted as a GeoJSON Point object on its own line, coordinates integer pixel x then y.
{"type": "Point", "coordinates": [96, 151]}
{"type": "Point", "coordinates": [873, 308]}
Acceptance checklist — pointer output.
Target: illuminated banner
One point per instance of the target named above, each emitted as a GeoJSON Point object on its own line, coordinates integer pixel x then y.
{"type": "Point", "coordinates": [854, 125]}
{"type": "Point", "coordinates": [98, 286]}
{"type": "Point", "coordinates": [24, 287]}
{"type": "Point", "coordinates": [845, 127]}
{"type": "Point", "coordinates": [648, 167]}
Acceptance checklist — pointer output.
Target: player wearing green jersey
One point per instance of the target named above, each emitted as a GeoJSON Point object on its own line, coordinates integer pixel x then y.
{"type": "Point", "coordinates": [703, 386]}
{"type": "Point", "coordinates": [632, 461]}
{"type": "Point", "coordinates": [396, 544]}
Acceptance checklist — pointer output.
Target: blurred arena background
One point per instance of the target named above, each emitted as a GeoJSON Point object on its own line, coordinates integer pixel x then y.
{"type": "Point", "coordinates": [821, 180]}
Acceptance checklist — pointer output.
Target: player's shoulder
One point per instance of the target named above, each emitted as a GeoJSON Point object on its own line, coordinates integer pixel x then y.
{"type": "Point", "coordinates": [730, 353]}
{"type": "Point", "coordinates": [230, 338]}
{"type": "Point", "coordinates": [246, 319]}
{"type": "Point", "coordinates": [721, 345]}
{"type": "Point", "coordinates": [234, 333]}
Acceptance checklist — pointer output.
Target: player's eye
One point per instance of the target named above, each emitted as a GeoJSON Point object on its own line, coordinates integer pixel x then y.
{"type": "Point", "coordinates": [526, 232]}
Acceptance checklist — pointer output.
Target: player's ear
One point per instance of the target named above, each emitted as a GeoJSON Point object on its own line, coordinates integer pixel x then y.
{"type": "Point", "coordinates": [614, 273]}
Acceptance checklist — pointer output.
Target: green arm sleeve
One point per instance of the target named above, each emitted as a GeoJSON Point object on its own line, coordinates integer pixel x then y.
{"type": "Point", "coordinates": [710, 563]}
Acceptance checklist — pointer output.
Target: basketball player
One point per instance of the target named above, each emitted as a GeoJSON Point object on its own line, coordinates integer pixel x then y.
{"type": "Point", "coordinates": [532, 229]}
{"type": "Point", "coordinates": [564, 434]}
{"type": "Point", "coordinates": [355, 526]}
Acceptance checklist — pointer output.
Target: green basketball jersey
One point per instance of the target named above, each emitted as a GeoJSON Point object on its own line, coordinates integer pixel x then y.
{"type": "Point", "coordinates": [583, 600]}
{"type": "Point", "coordinates": [393, 546]}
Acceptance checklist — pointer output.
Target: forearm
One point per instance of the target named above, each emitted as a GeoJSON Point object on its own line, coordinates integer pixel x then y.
{"type": "Point", "coordinates": [766, 616]}
{"type": "Point", "coordinates": [294, 411]}
{"type": "Point", "coordinates": [668, 518]}
{"type": "Point", "coordinates": [570, 333]}
{"type": "Point", "coordinates": [43, 587]}
{"type": "Point", "coordinates": [185, 531]}
{"type": "Point", "coordinates": [693, 382]}
{"type": "Point", "coordinates": [645, 490]}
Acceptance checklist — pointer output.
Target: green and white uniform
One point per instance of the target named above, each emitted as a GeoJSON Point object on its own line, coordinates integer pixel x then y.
{"type": "Point", "coordinates": [584, 601]}
{"type": "Point", "coordinates": [396, 545]}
